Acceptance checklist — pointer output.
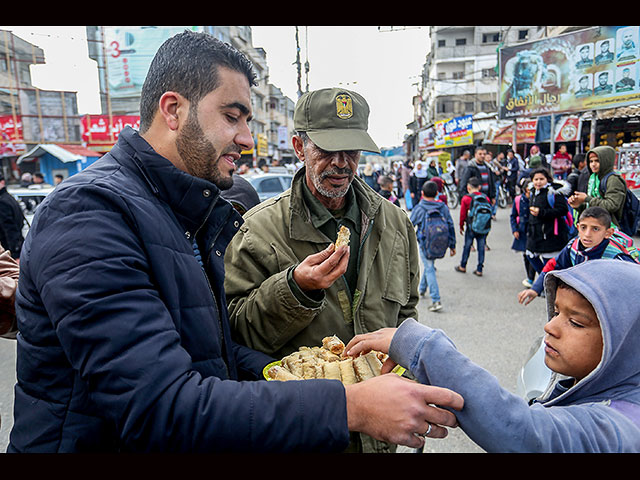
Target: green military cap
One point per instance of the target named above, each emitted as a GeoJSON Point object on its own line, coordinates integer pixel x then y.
{"type": "Point", "coordinates": [335, 119]}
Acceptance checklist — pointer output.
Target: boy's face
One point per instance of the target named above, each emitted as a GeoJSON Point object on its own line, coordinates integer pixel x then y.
{"type": "Point", "coordinates": [592, 232]}
{"type": "Point", "coordinates": [573, 344]}
{"type": "Point", "coordinates": [594, 163]}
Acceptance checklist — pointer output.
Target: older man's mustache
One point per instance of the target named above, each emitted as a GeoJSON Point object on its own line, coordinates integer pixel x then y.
{"type": "Point", "coordinates": [336, 171]}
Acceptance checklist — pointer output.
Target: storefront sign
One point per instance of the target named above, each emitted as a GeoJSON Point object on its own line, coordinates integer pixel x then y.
{"type": "Point", "coordinates": [589, 69]}
{"type": "Point", "coordinates": [97, 130]}
{"type": "Point", "coordinates": [453, 132]}
{"type": "Point", "coordinates": [11, 136]}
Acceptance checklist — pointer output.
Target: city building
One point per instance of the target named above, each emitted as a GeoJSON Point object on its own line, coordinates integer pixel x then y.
{"type": "Point", "coordinates": [123, 55]}
{"type": "Point", "coordinates": [30, 116]}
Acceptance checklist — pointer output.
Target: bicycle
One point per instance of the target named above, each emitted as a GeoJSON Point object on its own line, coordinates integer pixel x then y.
{"type": "Point", "coordinates": [504, 196]}
{"type": "Point", "coordinates": [450, 190]}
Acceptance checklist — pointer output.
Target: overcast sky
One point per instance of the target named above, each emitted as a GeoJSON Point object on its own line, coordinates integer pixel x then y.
{"type": "Point", "coordinates": [381, 65]}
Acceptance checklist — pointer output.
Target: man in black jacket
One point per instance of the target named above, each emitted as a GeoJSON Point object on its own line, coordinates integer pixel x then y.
{"type": "Point", "coordinates": [478, 168]}
{"type": "Point", "coordinates": [11, 220]}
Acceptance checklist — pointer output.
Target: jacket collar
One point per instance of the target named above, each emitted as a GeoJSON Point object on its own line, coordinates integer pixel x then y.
{"type": "Point", "coordinates": [192, 199]}
{"type": "Point", "coordinates": [300, 216]}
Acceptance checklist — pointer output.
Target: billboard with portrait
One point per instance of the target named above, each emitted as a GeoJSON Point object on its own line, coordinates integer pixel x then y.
{"type": "Point", "coordinates": [585, 70]}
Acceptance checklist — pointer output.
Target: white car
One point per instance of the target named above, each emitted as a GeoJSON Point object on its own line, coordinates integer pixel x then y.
{"type": "Point", "coordinates": [269, 184]}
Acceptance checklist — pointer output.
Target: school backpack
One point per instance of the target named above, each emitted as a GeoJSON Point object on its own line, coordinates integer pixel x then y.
{"type": "Point", "coordinates": [568, 218]}
{"type": "Point", "coordinates": [480, 214]}
{"type": "Point", "coordinates": [630, 210]}
{"type": "Point", "coordinates": [434, 233]}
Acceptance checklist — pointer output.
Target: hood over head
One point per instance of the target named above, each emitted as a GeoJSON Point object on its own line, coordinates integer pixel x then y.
{"type": "Point", "coordinates": [605, 284]}
{"type": "Point", "coordinates": [607, 157]}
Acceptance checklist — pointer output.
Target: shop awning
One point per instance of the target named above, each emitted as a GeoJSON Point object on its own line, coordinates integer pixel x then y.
{"type": "Point", "coordinates": [64, 153]}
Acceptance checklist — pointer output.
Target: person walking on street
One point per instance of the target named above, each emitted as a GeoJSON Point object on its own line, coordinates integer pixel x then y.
{"type": "Point", "coordinates": [561, 163]}
{"type": "Point", "coordinates": [479, 169]}
{"type": "Point", "coordinates": [435, 233]}
{"type": "Point", "coordinates": [461, 165]}
{"type": "Point", "coordinates": [475, 224]}
{"type": "Point", "coordinates": [124, 343]}
{"type": "Point", "coordinates": [11, 220]}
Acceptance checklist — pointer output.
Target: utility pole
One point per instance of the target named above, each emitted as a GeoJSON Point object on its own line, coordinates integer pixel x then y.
{"type": "Point", "coordinates": [298, 64]}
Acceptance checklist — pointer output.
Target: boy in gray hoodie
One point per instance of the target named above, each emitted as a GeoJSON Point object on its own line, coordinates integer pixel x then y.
{"type": "Point", "coordinates": [592, 403]}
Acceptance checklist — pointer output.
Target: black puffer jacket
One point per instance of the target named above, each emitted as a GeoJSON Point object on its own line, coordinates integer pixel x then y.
{"type": "Point", "coordinates": [124, 340]}
{"type": "Point", "coordinates": [547, 232]}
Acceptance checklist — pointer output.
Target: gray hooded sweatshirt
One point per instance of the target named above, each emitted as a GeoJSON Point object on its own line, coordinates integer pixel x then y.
{"type": "Point", "coordinates": [600, 413]}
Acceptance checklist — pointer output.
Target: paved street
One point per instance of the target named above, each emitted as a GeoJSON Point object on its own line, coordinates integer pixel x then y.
{"type": "Point", "coordinates": [481, 315]}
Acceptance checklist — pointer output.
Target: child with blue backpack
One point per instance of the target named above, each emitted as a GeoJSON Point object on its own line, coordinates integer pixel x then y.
{"type": "Point", "coordinates": [475, 215]}
{"type": "Point", "coordinates": [436, 233]}
{"type": "Point", "coordinates": [596, 239]}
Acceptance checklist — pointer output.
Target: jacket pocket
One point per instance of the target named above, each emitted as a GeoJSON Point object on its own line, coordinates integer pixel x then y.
{"type": "Point", "coordinates": [396, 280]}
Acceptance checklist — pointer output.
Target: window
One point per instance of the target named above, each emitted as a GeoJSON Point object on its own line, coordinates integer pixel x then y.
{"type": "Point", "coordinates": [442, 75]}
{"type": "Point", "coordinates": [458, 75]}
{"type": "Point", "coordinates": [460, 42]}
{"type": "Point", "coordinates": [523, 34]}
{"type": "Point", "coordinates": [468, 106]}
{"type": "Point", "coordinates": [442, 43]}
{"type": "Point", "coordinates": [445, 106]}
{"type": "Point", "coordinates": [270, 185]}
{"type": "Point", "coordinates": [488, 106]}
{"type": "Point", "coordinates": [491, 37]}
{"type": "Point", "coordinates": [489, 73]}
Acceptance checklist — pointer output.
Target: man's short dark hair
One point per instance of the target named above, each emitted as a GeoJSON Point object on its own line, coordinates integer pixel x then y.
{"type": "Point", "coordinates": [430, 189]}
{"type": "Point", "coordinates": [599, 213]}
{"type": "Point", "coordinates": [474, 182]}
{"type": "Point", "coordinates": [187, 63]}
{"type": "Point", "coordinates": [385, 180]}
{"type": "Point", "coordinates": [579, 157]}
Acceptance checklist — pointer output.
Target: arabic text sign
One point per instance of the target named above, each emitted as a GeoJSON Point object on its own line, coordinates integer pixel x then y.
{"type": "Point", "coordinates": [96, 129]}
{"type": "Point", "coordinates": [589, 69]}
{"type": "Point", "coordinates": [454, 132]}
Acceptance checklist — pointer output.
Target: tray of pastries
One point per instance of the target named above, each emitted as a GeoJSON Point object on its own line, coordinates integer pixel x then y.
{"type": "Point", "coordinates": [327, 361]}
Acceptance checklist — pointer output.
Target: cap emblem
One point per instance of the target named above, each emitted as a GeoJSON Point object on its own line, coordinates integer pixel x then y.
{"type": "Point", "coordinates": [344, 106]}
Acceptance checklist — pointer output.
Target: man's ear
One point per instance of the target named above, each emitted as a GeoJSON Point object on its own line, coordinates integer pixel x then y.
{"type": "Point", "coordinates": [173, 108]}
{"type": "Point", "coordinates": [298, 147]}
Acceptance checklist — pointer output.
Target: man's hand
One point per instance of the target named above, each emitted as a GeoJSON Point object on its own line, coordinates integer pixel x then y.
{"type": "Point", "coordinates": [527, 296]}
{"type": "Point", "coordinates": [452, 252]}
{"type": "Point", "coordinates": [397, 410]}
{"type": "Point", "coordinates": [577, 199]}
{"type": "Point", "coordinates": [516, 235]}
{"type": "Point", "coordinates": [320, 270]}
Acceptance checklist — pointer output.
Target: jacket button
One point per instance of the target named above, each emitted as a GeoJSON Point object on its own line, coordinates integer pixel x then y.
{"type": "Point", "coordinates": [206, 193]}
{"type": "Point", "coordinates": [218, 253]}
{"type": "Point", "coordinates": [187, 234]}
{"type": "Point", "coordinates": [236, 224]}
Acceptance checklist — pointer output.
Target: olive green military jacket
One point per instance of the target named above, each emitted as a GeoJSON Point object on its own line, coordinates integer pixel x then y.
{"type": "Point", "coordinates": [277, 235]}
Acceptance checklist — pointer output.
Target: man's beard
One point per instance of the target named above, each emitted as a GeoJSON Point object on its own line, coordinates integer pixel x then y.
{"type": "Point", "coordinates": [199, 155]}
{"type": "Point", "coordinates": [336, 192]}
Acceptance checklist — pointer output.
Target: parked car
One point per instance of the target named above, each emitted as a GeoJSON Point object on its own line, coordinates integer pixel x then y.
{"type": "Point", "coordinates": [534, 376]}
{"type": "Point", "coordinates": [269, 184]}
{"type": "Point", "coordinates": [29, 200]}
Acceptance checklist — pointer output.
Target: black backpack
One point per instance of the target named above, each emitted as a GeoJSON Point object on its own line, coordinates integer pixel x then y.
{"type": "Point", "coordinates": [630, 210]}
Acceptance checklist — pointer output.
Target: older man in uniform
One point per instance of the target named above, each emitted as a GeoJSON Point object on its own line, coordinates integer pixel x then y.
{"type": "Point", "coordinates": [287, 285]}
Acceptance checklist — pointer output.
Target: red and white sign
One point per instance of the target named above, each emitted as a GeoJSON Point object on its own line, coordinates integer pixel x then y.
{"type": "Point", "coordinates": [97, 130]}
{"type": "Point", "coordinates": [11, 140]}
{"type": "Point", "coordinates": [568, 129]}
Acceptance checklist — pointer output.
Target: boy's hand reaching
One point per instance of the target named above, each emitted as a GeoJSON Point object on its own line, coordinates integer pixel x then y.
{"type": "Point", "coordinates": [378, 340]}
{"type": "Point", "coordinates": [526, 296]}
